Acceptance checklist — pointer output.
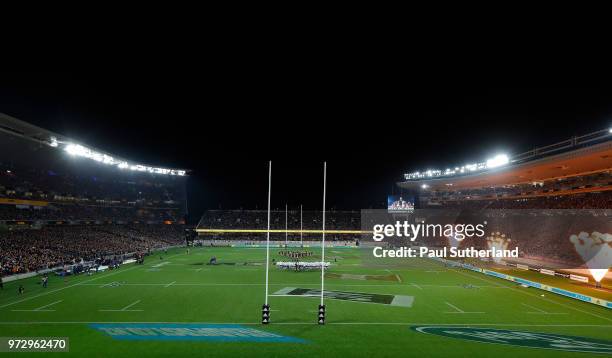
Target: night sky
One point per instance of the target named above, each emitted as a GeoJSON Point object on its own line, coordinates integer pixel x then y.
{"type": "Point", "coordinates": [225, 125]}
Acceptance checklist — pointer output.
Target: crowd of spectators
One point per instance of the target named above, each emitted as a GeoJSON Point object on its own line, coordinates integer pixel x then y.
{"type": "Point", "coordinates": [593, 182]}
{"type": "Point", "coordinates": [576, 201]}
{"type": "Point", "coordinates": [591, 200]}
{"type": "Point", "coordinates": [58, 209]}
{"type": "Point", "coordinates": [108, 187]}
{"type": "Point", "coordinates": [25, 250]}
{"type": "Point", "coordinates": [69, 212]}
{"type": "Point", "coordinates": [257, 219]}
{"type": "Point", "coordinates": [539, 226]}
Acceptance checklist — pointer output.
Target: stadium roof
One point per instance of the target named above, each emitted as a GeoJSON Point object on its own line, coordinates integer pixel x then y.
{"type": "Point", "coordinates": [592, 157]}
{"type": "Point", "coordinates": [19, 128]}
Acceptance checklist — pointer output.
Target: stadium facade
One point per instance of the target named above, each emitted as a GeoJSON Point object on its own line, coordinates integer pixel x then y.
{"type": "Point", "coordinates": [54, 189]}
{"type": "Point", "coordinates": [578, 168]}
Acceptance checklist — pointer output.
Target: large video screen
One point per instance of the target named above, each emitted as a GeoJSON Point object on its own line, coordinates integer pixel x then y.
{"type": "Point", "coordinates": [400, 203]}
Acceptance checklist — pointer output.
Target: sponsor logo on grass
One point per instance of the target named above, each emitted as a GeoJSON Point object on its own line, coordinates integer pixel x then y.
{"type": "Point", "coordinates": [523, 339]}
{"type": "Point", "coordinates": [393, 300]}
{"type": "Point", "coordinates": [189, 332]}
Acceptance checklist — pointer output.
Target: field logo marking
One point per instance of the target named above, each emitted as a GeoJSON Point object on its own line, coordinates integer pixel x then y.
{"type": "Point", "coordinates": [376, 298]}
{"type": "Point", "coordinates": [190, 332]}
{"type": "Point", "coordinates": [522, 338]}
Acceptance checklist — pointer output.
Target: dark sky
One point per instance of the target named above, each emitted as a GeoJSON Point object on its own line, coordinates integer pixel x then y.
{"type": "Point", "coordinates": [225, 124]}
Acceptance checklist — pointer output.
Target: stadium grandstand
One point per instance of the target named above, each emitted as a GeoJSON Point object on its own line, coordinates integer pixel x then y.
{"type": "Point", "coordinates": [576, 173]}
{"type": "Point", "coordinates": [95, 252]}
{"type": "Point", "coordinates": [531, 200]}
{"type": "Point", "coordinates": [251, 225]}
{"type": "Point", "coordinates": [65, 203]}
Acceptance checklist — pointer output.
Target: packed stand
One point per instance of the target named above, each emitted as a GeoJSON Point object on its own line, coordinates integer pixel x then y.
{"type": "Point", "coordinates": [28, 250]}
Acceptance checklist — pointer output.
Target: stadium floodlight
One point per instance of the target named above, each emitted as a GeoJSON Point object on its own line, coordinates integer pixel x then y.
{"type": "Point", "coordinates": [498, 161]}
{"type": "Point", "coordinates": [610, 130]}
{"type": "Point", "coordinates": [81, 151]}
{"type": "Point", "coordinates": [424, 186]}
{"type": "Point", "coordinates": [598, 274]}
{"type": "Point", "coordinates": [74, 149]}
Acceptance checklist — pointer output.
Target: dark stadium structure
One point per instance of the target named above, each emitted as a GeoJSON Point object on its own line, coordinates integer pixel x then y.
{"type": "Point", "coordinates": [54, 191]}
{"type": "Point", "coordinates": [251, 225]}
{"type": "Point", "coordinates": [576, 173]}
{"type": "Point", "coordinates": [534, 200]}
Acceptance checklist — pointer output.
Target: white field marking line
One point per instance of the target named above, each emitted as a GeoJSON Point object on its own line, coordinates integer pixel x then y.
{"type": "Point", "coordinates": [336, 323]}
{"type": "Point", "coordinates": [539, 297]}
{"type": "Point", "coordinates": [40, 309]}
{"type": "Point", "coordinates": [294, 295]}
{"type": "Point", "coordinates": [540, 311]}
{"type": "Point", "coordinates": [76, 284]}
{"type": "Point", "coordinates": [124, 309]}
{"type": "Point", "coordinates": [457, 286]}
{"type": "Point", "coordinates": [161, 264]}
{"type": "Point", "coordinates": [458, 310]}
{"type": "Point", "coordinates": [65, 287]}
{"type": "Point", "coordinates": [415, 285]}
{"type": "Point", "coordinates": [289, 284]}
{"type": "Point", "coordinates": [455, 307]}
{"type": "Point", "coordinates": [170, 284]}
{"type": "Point", "coordinates": [534, 308]}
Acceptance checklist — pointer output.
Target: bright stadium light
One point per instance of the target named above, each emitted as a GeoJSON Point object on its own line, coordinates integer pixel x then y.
{"type": "Point", "coordinates": [75, 149]}
{"type": "Point", "coordinates": [498, 161]}
{"type": "Point", "coordinates": [598, 274]}
{"type": "Point", "coordinates": [424, 186]}
{"type": "Point", "coordinates": [81, 151]}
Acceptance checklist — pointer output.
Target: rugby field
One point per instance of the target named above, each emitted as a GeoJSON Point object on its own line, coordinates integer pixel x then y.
{"type": "Point", "coordinates": [177, 305]}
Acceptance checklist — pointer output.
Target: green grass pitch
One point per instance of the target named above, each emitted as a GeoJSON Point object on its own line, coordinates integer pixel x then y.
{"type": "Point", "coordinates": [184, 289]}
